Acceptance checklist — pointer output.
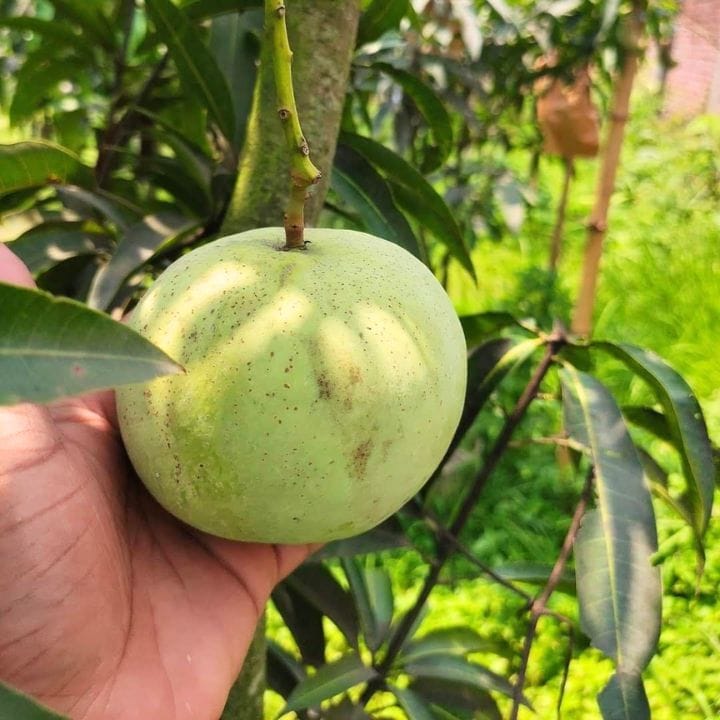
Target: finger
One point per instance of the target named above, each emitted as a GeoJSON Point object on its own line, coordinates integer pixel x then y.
{"type": "Point", "coordinates": [13, 269]}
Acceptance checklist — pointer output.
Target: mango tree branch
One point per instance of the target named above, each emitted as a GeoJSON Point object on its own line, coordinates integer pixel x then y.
{"type": "Point", "coordinates": [303, 173]}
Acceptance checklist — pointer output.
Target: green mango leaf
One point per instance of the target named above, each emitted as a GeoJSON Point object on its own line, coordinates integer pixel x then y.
{"type": "Point", "coordinates": [387, 536]}
{"type": "Point", "coordinates": [371, 589]}
{"type": "Point", "coordinates": [459, 670]}
{"type": "Point", "coordinates": [536, 574]}
{"type": "Point", "coordinates": [283, 671]}
{"type": "Point", "coordinates": [205, 9]}
{"type": "Point", "coordinates": [420, 199]}
{"type": "Point", "coordinates": [33, 164]}
{"type": "Point", "coordinates": [429, 106]}
{"type": "Point", "coordinates": [456, 701]}
{"type": "Point", "coordinates": [235, 47]}
{"type": "Point", "coordinates": [479, 327]}
{"type": "Point", "coordinates": [651, 420]}
{"type": "Point", "coordinates": [52, 242]}
{"type": "Point", "coordinates": [198, 71]}
{"type": "Point", "coordinates": [379, 17]}
{"type": "Point", "coordinates": [99, 205]}
{"type": "Point", "coordinates": [138, 245]}
{"type": "Point", "coordinates": [413, 705]}
{"type": "Point", "coordinates": [89, 18]}
{"type": "Point", "coordinates": [330, 680]}
{"type": "Point", "coordinates": [685, 419]}
{"type": "Point", "coordinates": [356, 181]}
{"type": "Point", "coordinates": [446, 641]}
{"type": "Point", "coordinates": [619, 591]}
{"type": "Point", "coordinates": [320, 588]}
{"type": "Point", "coordinates": [624, 698]}
{"type": "Point", "coordinates": [47, 29]}
{"type": "Point", "coordinates": [53, 347]}
{"type": "Point", "coordinates": [304, 621]}
{"type": "Point", "coordinates": [16, 706]}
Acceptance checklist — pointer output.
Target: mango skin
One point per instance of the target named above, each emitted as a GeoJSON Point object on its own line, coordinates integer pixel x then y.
{"type": "Point", "coordinates": [322, 386]}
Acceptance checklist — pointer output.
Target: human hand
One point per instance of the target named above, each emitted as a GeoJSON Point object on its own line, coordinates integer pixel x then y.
{"type": "Point", "coordinates": [109, 607]}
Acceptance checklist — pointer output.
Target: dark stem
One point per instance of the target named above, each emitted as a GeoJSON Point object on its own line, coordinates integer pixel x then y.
{"type": "Point", "coordinates": [539, 604]}
{"type": "Point", "coordinates": [446, 548]}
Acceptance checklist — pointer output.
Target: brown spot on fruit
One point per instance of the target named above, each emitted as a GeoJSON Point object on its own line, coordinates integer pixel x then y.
{"type": "Point", "coordinates": [354, 375]}
{"type": "Point", "coordinates": [78, 370]}
{"type": "Point", "coordinates": [360, 457]}
{"type": "Point", "coordinates": [324, 387]}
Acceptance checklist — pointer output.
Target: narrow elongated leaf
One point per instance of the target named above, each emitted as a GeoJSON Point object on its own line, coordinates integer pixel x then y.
{"type": "Point", "coordinates": [428, 104]}
{"type": "Point", "coordinates": [413, 705]}
{"type": "Point", "coordinates": [283, 671]}
{"type": "Point", "coordinates": [456, 701]}
{"type": "Point", "coordinates": [101, 204]}
{"type": "Point", "coordinates": [89, 18]}
{"type": "Point", "coordinates": [379, 17]}
{"type": "Point", "coordinates": [388, 536]}
{"type": "Point", "coordinates": [447, 641]}
{"type": "Point", "coordinates": [624, 698]}
{"type": "Point", "coordinates": [479, 327]}
{"type": "Point", "coordinates": [199, 73]}
{"type": "Point", "coordinates": [49, 243]}
{"type": "Point", "coordinates": [47, 29]}
{"type": "Point", "coordinates": [330, 680]}
{"type": "Point", "coordinates": [32, 164]}
{"type": "Point", "coordinates": [320, 588]}
{"type": "Point", "coordinates": [649, 419]}
{"type": "Point", "coordinates": [139, 244]}
{"type": "Point", "coordinates": [52, 347]}
{"type": "Point", "coordinates": [304, 621]}
{"type": "Point", "coordinates": [536, 574]}
{"type": "Point", "coordinates": [619, 590]}
{"type": "Point", "coordinates": [362, 187]}
{"type": "Point", "coordinates": [372, 592]}
{"type": "Point", "coordinates": [427, 206]}
{"type": "Point", "coordinates": [686, 422]}
{"type": "Point", "coordinates": [16, 706]}
{"type": "Point", "coordinates": [204, 9]}
{"type": "Point", "coordinates": [235, 48]}
{"type": "Point", "coordinates": [459, 670]}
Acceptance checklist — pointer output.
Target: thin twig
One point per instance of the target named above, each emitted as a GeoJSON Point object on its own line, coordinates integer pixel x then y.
{"type": "Point", "coordinates": [445, 550]}
{"type": "Point", "coordinates": [537, 609]}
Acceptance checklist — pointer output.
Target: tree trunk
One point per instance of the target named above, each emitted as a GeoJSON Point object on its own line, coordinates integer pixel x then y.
{"type": "Point", "coordinates": [597, 224]}
{"type": "Point", "coordinates": [322, 36]}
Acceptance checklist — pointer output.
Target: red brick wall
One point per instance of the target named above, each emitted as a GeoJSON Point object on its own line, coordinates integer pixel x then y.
{"type": "Point", "coordinates": [694, 85]}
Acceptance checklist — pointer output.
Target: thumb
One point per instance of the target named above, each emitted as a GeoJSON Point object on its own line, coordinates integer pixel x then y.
{"type": "Point", "coordinates": [12, 269]}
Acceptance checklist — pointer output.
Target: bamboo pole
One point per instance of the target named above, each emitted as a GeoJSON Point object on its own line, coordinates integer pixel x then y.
{"type": "Point", "coordinates": [597, 224]}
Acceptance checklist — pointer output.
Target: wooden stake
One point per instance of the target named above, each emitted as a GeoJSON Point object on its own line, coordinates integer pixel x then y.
{"type": "Point", "coordinates": [597, 224]}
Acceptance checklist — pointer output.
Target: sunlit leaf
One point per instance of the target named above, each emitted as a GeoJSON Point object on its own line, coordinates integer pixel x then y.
{"type": "Point", "coordinates": [446, 641]}
{"type": "Point", "coordinates": [685, 419]}
{"type": "Point", "coordinates": [330, 680]}
{"type": "Point", "coordinates": [139, 244]}
{"type": "Point", "coordinates": [32, 164]}
{"type": "Point", "coordinates": [619, 590]}
{"type": "Point", "coordinates": [536, 574]}
{"type": "Point", "coordinates": [198, 71]}
{"type": "Point", "coordinates": [52, 242]}
{"type": "Point", "coordinates": [53, 347]}
{"type": "Point", "coordinates": [16, 706]}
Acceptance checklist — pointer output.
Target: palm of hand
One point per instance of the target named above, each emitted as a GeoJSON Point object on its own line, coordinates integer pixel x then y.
{"type": "Point", "coordinates": [110, 608]}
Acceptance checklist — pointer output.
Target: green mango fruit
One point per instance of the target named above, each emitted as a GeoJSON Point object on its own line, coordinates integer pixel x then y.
{"type": "Point", "coordinates": [322, 386]}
